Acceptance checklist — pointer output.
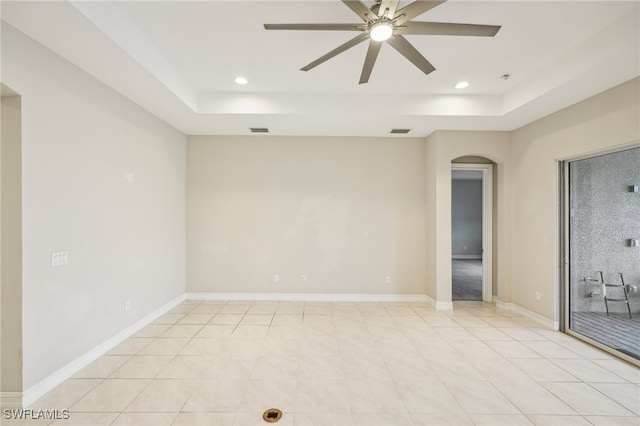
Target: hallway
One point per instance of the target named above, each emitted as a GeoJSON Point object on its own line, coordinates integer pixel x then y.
{"type": "Point", "coordinates": [466, 277]}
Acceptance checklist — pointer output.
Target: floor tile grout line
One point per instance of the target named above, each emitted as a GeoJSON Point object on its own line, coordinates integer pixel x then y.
{"type": "Point", "coordinates": [587, 384]}
{"type": "Point", "coordinates": [607, 396]}
{"type": "Point", "coordinates": [151, 380]}
{"type": "Point", "coordinates": [398, 320]}
{"type": "Point", "coordinates": [85, 394]}
{"type": "Point", "coordinates": [553, 360]}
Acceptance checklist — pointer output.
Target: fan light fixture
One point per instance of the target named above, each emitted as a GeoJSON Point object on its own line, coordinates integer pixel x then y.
{"type": "Point", "coordinates": [388, 22]}
{"type": "Point", "coordinates": [381, 31]}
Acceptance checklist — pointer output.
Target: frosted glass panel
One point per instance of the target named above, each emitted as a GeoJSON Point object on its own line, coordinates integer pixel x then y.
{"type": "Point", "coordinates": [604, 220]}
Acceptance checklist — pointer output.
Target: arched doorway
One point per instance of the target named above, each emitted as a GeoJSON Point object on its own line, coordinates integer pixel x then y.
{"type": "Point", "coordinates": [472, 198]}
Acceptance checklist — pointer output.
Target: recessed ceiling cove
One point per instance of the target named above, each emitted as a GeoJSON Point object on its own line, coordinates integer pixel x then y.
{"type": "Point", "coordinates": [179, 59]}
{"type": "Point", "coordinates": [384, 22]}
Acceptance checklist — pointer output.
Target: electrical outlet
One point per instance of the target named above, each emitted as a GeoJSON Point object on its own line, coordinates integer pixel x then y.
{"type": "Point", "coordinates": [59, 258]}
{"type": "Point", "coordinates": [303, 278]}
{"type": "Point", "coordinates": [127, 306]}
{"type": "Point", "coordinates": [537, 295]}
{"type": "Point", "coordinates": [387, 279]}
{"type": "Point", "coordinates": [276, 278]}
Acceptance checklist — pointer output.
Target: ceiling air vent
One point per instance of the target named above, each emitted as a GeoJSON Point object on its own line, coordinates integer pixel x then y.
{"type": "Point", "coordinates": [400, 131]}
{"type": "Point", "coordinates": [259, 130]}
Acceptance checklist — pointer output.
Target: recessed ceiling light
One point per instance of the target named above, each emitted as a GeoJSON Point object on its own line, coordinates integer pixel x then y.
{"type": "Point", "coordinates": [241, 80]}
{"type": "Point", "coordinates": [462, 85]}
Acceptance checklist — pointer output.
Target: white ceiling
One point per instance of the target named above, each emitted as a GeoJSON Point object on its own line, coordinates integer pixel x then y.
{"type": "Point", "coordinates": [179, 59]}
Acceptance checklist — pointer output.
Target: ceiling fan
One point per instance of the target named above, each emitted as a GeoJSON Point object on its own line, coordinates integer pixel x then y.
{"type": "Point", "coordinates": [385, 22]}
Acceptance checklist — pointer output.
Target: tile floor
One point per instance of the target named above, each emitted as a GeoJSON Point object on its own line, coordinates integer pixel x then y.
{"type": "Point", "coordinates": [224, 363]}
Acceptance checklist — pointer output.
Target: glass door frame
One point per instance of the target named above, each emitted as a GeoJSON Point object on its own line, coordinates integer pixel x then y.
{"type": "Point", "coordinates": [564, 308]}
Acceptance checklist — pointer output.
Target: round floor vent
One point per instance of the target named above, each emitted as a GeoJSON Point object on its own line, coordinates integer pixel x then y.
{"type": "Point", "coordinates": [272, 415]}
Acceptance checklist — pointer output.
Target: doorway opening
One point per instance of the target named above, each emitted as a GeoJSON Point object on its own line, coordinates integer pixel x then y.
{"type": "Point", "coordinates": [471, 231]}
{"type": "Point", "coordinates": [11, 247]}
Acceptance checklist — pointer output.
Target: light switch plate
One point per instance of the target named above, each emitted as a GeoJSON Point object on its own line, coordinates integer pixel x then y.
{"type": "Point", "coordinates": [59, 258]}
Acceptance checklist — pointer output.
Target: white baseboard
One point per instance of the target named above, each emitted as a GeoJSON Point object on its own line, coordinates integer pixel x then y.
{"type": "Point", "coordinates": [440, 306]}
{"type": "Point", "coordinates": [48, 383]}
{"type": "Point", "coordinates": [310, 297]}
{"type": "Point", "coordinates": [528, 314]}
{"type": "Point", "coordinates": [431, 301]}
{"type": "Point", "coordinates": [11, 400]}
{"type": "Point", "coordinates": [467, 256]}
{"type": "Point", "coordinates": [444, 306]}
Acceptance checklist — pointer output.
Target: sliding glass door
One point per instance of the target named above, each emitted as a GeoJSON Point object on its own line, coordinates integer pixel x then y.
{"type": "Point", "coordinates": [604, 250]}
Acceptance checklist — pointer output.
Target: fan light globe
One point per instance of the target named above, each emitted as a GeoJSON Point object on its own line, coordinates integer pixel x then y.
{"type": "Point", "coordinates": [381, 31]}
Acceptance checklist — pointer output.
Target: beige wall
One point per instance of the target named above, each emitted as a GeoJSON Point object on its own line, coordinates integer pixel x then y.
{"type": "Point", "coordinates": [103, 180]}
{"type": "Point", "coordinates": [442, 148]}
{"type": "Point", "coordinates": [11, 245]}
{"type": "Point", "coordinates": [607, 121]}
{"type": "Point", "coordinates": [346, 212]}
